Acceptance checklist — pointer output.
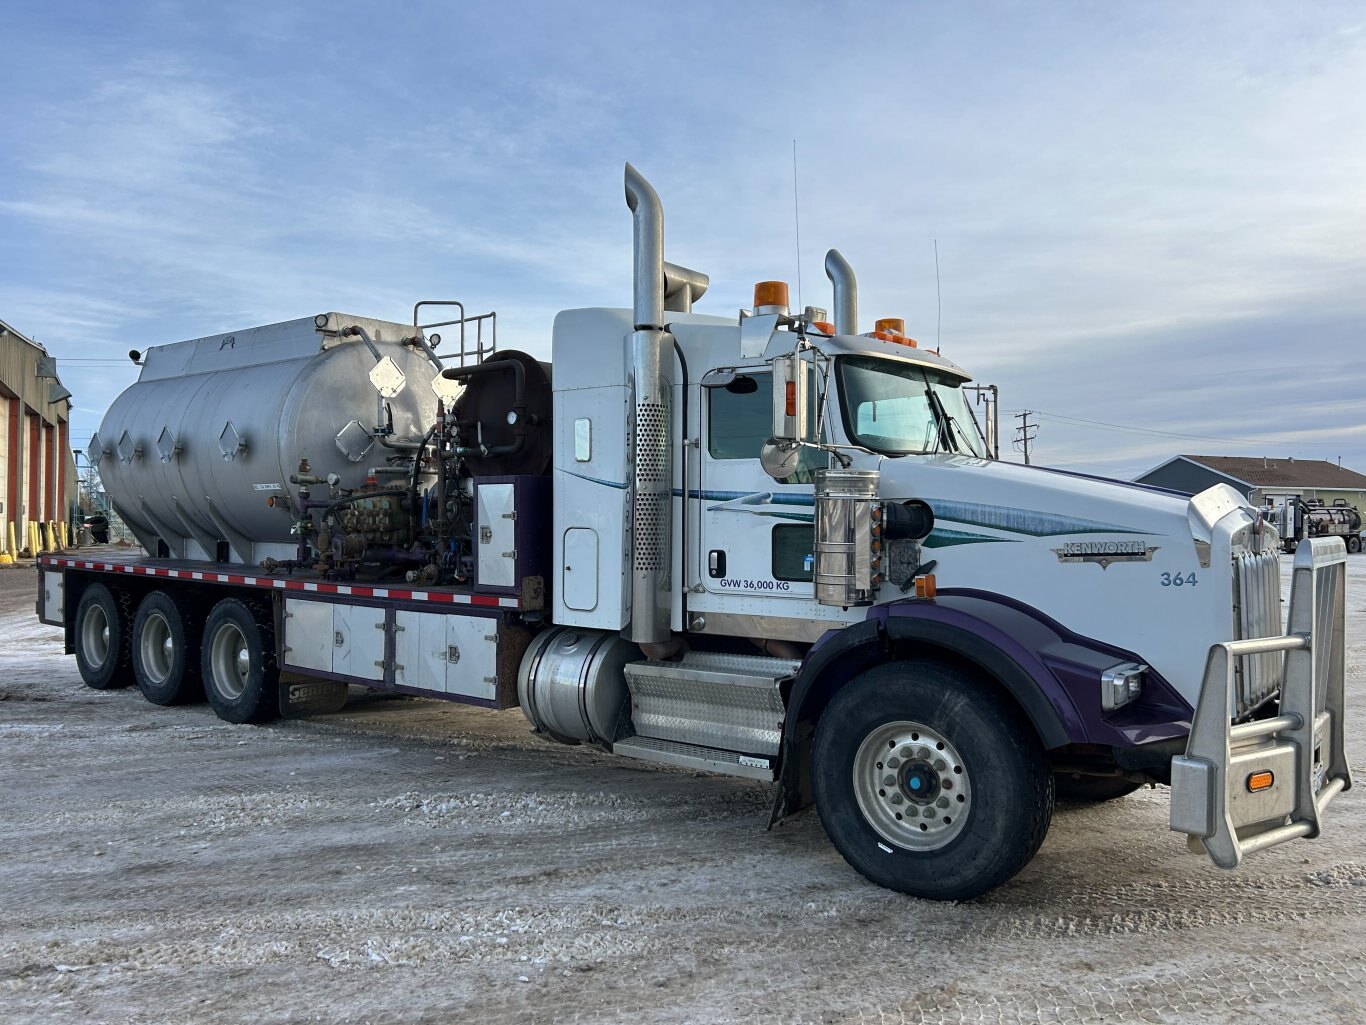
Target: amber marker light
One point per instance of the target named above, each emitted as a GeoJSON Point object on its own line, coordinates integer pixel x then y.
{"type": "Point", "coordinates": [791, 399]}
{"type": "Point", "coordinates": [925, 587]}
{"type": "Point", "coordinates": [770, 293]}
{"type": "Point", "coordinates": [1260, 781]}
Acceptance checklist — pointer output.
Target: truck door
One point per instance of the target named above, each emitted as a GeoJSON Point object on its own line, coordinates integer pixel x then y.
{"type": "Point", "coordinates": [755, 535]}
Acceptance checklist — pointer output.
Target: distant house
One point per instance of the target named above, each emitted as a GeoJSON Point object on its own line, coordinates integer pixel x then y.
{"type": "Point", "coordinates": [1263, 480]}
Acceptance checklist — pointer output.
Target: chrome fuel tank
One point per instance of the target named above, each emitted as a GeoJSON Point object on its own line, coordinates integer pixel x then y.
{"type": "Point", "coordinates": [193, 452]}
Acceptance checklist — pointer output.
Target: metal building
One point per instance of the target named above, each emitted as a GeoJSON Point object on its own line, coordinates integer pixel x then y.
{"type": "Point", "coordinates": [37, 471]}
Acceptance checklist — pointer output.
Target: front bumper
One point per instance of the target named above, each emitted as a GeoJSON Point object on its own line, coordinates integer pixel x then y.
{"type": "Point", "coordinates": [1244, 787]}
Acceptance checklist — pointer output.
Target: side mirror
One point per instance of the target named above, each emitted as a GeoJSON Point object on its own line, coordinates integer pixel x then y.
{"type": "Point", "coordinates": [780, 458]}
{"type": "Point", "coordinates": [794, 393]}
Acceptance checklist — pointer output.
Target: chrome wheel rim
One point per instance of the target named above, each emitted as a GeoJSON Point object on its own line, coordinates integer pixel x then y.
{"type": "Point", "coordinates": [230, 659]}
{"type": "Point", "coordinates": [95, 636]}
{"type": "Point", "coordinates": [156, 646]}
{"type": "Point", "coordinates": [912, 786]}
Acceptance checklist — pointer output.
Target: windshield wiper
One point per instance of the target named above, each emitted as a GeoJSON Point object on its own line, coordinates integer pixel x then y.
{"type": "Point", "coordinates": [943, 422]}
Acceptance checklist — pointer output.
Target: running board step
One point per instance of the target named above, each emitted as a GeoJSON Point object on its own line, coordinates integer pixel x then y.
{"type": "Point", "coordinates": [694, 756]}
{"type": "Point", "coordinates": [710, 700]}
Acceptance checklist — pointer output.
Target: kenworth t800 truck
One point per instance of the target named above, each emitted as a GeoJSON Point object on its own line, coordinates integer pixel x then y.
{"type": "Point", "coordinates": [767, 545]}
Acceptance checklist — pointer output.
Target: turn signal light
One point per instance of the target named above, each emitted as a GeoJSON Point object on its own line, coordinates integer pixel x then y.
{"type": "Point", "coordinates": [925, 587]}
{"type": "Point", "coordinates": [790, 399]}
{"type": "Point", "coordinates": [1260, 781]}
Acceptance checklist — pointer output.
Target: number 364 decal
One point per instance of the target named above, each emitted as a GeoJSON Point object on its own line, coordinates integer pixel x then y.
{"type": "Point", "coordinates": [1178, 579]}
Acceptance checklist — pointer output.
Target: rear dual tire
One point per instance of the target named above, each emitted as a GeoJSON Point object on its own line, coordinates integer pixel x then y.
{"type": "Point", "coordinates": [165, 652]}
{"type": "Point", "coordinates": [101, 638]}
{"type": "Point", "coordinates": [241, 677]}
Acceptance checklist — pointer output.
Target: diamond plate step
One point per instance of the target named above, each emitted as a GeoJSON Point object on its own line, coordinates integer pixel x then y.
{"type": "Point", "coordinates": [723, 702]}
{"type": "Point", "coordinates": [694, 756]}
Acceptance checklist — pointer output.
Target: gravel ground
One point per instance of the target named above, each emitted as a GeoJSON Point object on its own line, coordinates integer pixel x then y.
{"type": "Point", "coordinates": [413, 861]}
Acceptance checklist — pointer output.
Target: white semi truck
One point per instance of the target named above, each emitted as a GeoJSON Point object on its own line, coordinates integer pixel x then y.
{"type": "Point", "coordinates": [767, 545]}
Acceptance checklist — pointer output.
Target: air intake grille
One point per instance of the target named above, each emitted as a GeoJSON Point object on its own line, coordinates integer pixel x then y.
{"type": "Point", "coordinates": [652, 485]}
{"type": "Point", "coordinates": [1257, 594]}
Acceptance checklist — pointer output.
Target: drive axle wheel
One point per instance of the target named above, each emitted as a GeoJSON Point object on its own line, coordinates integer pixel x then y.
{"type": "Point", "coordinates": [165, 652]}
{"type": "Point", "coordinates": [241, 678]}
{"type": "Point", "coordinates": [1354, 544]}
{"type": "Point", "coordinates": [929, 782]}
{"type": "Point", "coordinates": [101, 638]}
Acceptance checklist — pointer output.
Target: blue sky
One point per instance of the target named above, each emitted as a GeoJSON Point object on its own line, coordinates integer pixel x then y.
{"type": "Point", "coordinates": [1150, 217]}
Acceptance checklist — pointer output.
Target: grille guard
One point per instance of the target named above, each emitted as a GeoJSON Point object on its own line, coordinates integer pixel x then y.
{"type": "Point", "coordinates": [1301, 744]}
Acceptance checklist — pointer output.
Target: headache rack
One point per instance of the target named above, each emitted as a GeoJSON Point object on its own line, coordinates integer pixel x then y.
{"type": "Point", "coordinates": [1244, 787]}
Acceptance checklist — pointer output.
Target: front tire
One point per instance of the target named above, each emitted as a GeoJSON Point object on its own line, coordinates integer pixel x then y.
{"type": "Point", "coordinates": [241, 678]}
{"type": "Point", "coordinates": [165, 652]}
{"type": "Point", "coordinates": [928, 782]}
{"type": "Point", "coordinates": [1353, 544]}
{"type": "Point", "coordinates": [100, 635]}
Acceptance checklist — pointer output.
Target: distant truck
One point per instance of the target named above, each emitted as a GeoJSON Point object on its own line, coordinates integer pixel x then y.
{"type": "Point", "coordinates": [1298, 519]}
{"type": "Point", "coordinates": [770, 545]}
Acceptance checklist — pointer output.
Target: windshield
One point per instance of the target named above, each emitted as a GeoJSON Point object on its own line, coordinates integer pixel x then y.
{"type": "Point", "coordinates": [899, 408]}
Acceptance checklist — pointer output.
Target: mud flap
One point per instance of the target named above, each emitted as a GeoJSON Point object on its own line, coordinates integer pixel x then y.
{"type": "Point", "coordinates": [307, 695]}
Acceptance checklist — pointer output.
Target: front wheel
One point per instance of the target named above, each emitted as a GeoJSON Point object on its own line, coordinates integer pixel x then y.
{"type": "Point", "coordinates": [1354, 544]}
{"type": "Point", "coordinates": [928, 782]}
{"type": "Point", "coordinates": [237, 661]}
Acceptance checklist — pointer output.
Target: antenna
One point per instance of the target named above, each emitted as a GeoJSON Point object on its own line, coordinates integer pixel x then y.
{"type": "Point", "coordinates": [797, 221]}
{"type": "Point", "coordinates": [938, 298]}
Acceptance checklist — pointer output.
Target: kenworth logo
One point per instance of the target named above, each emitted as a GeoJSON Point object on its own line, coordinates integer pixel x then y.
{"type": "Point", "coordinates": [1105, 552]}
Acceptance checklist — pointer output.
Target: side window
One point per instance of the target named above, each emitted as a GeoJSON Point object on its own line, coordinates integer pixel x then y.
{"type": "Point", "coordinates": [740, 420]}
{"type": "Point", "coordinates": [794, 551]}
{"type": "Point", "coordinates": [740, 417]}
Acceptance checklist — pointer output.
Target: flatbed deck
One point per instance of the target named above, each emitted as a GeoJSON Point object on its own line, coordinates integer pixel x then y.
{"type": "Point", "coordinates": [297, 581]}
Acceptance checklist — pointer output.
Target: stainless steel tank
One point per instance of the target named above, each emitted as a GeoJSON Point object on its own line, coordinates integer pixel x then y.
{"type": "Point", "coordinates": [195, 451]}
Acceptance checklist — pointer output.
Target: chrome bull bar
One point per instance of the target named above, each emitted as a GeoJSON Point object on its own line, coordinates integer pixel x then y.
{"type": "Point", "coordinates": [1241, 788]}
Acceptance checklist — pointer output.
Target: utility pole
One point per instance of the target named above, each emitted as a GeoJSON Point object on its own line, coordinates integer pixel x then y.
{"type": "Point", "coordinates": [1025, 433]}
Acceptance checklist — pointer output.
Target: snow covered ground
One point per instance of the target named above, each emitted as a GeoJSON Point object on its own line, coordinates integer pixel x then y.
{"type": "Point", "coordinates": [412, 861]}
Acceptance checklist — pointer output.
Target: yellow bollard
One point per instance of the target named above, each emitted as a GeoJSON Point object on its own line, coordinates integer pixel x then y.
{"type": "Point", "coordinates": [66, 538]}
{"type": "Point", "coordinates": [13, 548]}
{"type": "Point", "coordinates": [32, 538]}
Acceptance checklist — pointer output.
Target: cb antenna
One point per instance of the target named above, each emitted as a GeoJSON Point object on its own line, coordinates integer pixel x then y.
{"type": "Point", "coordinates": [938, 299]}
{"type": "Point", "coordinates": [797, 222]}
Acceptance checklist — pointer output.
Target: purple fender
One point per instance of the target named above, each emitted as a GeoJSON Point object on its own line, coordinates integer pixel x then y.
{"type": "Point", "coordinates": [1053, 674]}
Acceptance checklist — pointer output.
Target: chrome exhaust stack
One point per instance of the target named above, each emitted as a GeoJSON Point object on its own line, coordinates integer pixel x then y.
{"type": "Point", "coordinates": [841, 276]}
{"type": "Point", "coordinates": [651, 442]}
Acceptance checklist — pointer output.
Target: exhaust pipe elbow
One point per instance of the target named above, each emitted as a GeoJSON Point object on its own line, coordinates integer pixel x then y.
{"type": "Point", "coordinates": [841, 275]}
{"type": "Point", "coordinates": [648, 216]}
